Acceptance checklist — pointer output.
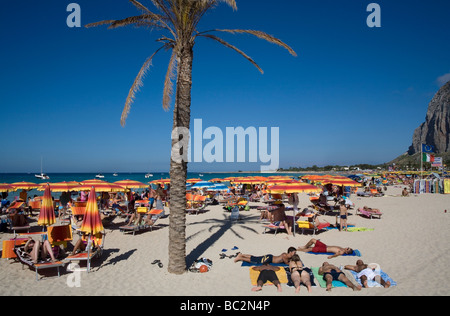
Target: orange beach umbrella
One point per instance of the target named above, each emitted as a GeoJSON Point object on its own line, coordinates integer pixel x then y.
{"type": "Point", "coordinates": [298, 187]}
{"type": "Point", "coordinates": [60, 186]}
{"type": "Point", "coordinates": [47, 212]}
{"type": "Point", "coordinates": [128, 184]}
{"type": "Point", "coordinates": [5, 187]}
{"type": "Point", "coordinates": [92, 223]}
{"type": "Point", "coordinates": [24, 185]}
{"type": "Point", "coordinates": [101, 187]}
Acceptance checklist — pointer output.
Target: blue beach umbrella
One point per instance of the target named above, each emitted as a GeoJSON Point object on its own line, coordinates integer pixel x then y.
{"type": "Point", "coordinates": [202, 184]}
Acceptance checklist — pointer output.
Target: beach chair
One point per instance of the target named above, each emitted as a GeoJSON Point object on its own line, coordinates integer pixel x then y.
{"type": "Point", "coordinates": [35, 205]}
{"type": "Point", "coordinates": [369, 214]}
{"type": "Point", "coordinates": [25, 259]}
{"type": "Point", "coordinates": [311, 225]}
{"type": "Point", "coordinates": [59, 235]}
{"type": "Point", "coordinates": [94, 249]}
{"type": "Point", "coordinates": [155, 214]}
{"type": "Point", "coordinates": [273, 227]}
{"type": "Point", "coordinates": [198, 204]}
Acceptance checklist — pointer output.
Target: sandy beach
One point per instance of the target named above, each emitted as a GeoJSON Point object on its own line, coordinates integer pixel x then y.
{"type": "Point", "coordinates": [409, 242]}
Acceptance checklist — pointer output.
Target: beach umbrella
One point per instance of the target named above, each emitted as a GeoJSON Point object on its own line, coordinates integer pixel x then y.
{"type": "Point", "coordinates": [193, 180]}
{"type": "Point", "coordinates": [298, 187]}
{"type": "Point", "coordinates": [101, 187]}
{"type": "Point", "coordinates": [342, 182]}
{"type": "Point", "coordinates": [24, 185]}
{"type": "Point", "coordinates": [129, 184]}
{"type": "Point", "coordinates": [60, 186]}
{"type": "Point", "coordinates": [93, 181]}
{"type": "Point", "coordinates": [218, 187]}
{"type": "Point", "coordinates": [5, 187]}
{"type": "Point", "coordinates": [160, 181]}
{"type": "Point", "coordinates": [202, 184]}
{"type": "Point", "coordinates": [47, 212]}
{"type": "Point", "coordinates": [92, 223]}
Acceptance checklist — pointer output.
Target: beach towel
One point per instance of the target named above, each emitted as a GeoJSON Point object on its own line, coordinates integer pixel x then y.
{"type": "Point", "coordinates": [322, 282]}
{"type": "Point", "coordinates": [356, 252]}
{"type": "Point", "coordinates": [372, 283]}
{"type": "Point", "coordinates": [359, 229]}
{"type": "Point", "coordinates": [281, 274]}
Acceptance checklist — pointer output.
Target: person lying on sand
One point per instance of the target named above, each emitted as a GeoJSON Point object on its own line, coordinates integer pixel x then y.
{"type": "Point", "coordinates": [332, 273]}
{"type": "Point", "coordinates": [366, 272]}
{"type": "Point", "coordinates": [267, 259]}
{"type": "Point", "coordinates": [266, 273]}
{"type": "Point", "coordinates": [320, 247]}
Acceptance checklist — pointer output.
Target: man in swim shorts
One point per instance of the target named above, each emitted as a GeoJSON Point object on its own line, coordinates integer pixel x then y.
{"type": "Point", "coordinates": [366, 272]}
{"type": "Point", "coordinates": [267, 273]}
{"type": "Point", "coordinates": [267, 259]}
{"type": "Point", "coordinates": [320, 247]}
{"type": "Point", "coordinates": [332, 273]}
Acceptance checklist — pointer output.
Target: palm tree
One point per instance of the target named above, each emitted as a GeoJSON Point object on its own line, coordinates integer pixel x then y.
{"type": "Point", "coordinates": [177, 20]}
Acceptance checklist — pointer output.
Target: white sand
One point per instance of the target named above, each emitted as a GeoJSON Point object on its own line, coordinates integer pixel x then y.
{"type": "Point", "coordinates": [410, 242]}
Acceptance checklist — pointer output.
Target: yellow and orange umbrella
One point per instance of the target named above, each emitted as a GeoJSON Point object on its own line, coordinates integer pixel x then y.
{"type": "Point", "coordinates": [47, 212]}
{"type": "Point", "coordinates": [298, 187]}
{"type": "Point", "coordinates": [5, 187]}
{"type": "Point", "coordinates": [101, 187]}
{"type": "Point", "coordinates": [60, 186]}
{"type": "Point", "coordinates": [342, 182]}
{"type": "Point", "coordinates": [195, 180]}
{"type": "Point", "coordinates": [128, 184]}
{"type": "Point", "coordinates": [92, 222]}
{"type": "Point", "coordinates": [160, 181]}
{"type": "Point", "coordinates": [24, 185]}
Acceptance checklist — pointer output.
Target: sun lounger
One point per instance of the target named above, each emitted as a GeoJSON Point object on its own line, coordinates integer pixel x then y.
{"type": "Point", "coordinates": [306, 225]}
{"type": "Point", "coordinates": [90, 253]}
{"type": "Point", "coordinates": [369, 214]}
{"type": "Point", "coordinates": [273, 227]}
{"type": "Point", "coordinates": [156, 214]}
{"type": "Point", "coordinates": [25, 259]}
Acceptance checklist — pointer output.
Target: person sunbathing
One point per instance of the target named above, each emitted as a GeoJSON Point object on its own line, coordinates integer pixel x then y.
{"type": "Point", "coordinates": [332, 273]}
{"type": "Point", "coordinates": [266, 273]}
{"type": "Point", "coordinates": [371, 210]}
{"type": "Point", "coordinates": [267, 259]}
{"type": "Point", "coordinates": [36, 250]}
{"type": "Point", "coordinates": [366, 272]}
{"type": "Point", "coordinates": [320, 247]}
{"type": "Point", "coordinates": [299, 273]}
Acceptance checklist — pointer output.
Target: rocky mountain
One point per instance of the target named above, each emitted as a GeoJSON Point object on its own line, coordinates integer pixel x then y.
{"type": "Point", "coordinates": [435, 130]}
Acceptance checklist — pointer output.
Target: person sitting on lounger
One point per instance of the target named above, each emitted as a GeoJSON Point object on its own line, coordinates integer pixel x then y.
{"type": "Point", "coordinates": [299, 273]}
{"type": "Point", "coordinates": [81, 244]}
{"type": "Point", "coordinates": [320, 247]}
{"type": "Point", "coordinates": [267, 259]}
{"type": "Point", "coordinates": [279, 218]}
{"type": "Point", "coordinates": [36, 250]}
{"type": "Point", "coordinates": [332, 273]}
{"type": "Point", "coordinates": [136, 219]}
{"type": "Point", "coordinates": [366, 272]}
{"type": "Point", "coordinates": [267, 273]}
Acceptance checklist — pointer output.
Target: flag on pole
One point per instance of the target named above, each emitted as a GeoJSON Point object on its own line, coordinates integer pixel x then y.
{"type": "Point", "coordinates": [427, 158]}
{"type": "Point", "coordinates": [427, 148]}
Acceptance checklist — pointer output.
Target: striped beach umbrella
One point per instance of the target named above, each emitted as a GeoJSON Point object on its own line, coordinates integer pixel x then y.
{"type": "Point", "coordinates": [129, 184]}
{"type": "Point", "coordinates": [5, 187]}
{"type": "Point", "coordinates": [298, 187]}
{"type": "Point", "coordinates": [92, 223]}
{"type": "Point", "coordinates": [47, 212]}
{"type": "Point", "coordinates": [24, 185]}
{"type": "Point", "coordinates": [101, 187]}
{"type": "Point", "coordinates": [60, 186]}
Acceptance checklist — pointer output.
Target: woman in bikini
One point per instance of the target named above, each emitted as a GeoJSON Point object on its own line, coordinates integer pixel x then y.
{"type": "Point", "coordinates": [299, 273]}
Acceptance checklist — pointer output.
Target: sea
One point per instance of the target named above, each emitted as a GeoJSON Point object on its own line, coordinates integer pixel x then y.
{"type": "Point", "coordinates": [110, 177]}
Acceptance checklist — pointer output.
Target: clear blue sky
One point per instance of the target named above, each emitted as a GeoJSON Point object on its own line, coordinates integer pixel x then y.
{"type": "Point", "coordinates": [353, 95]}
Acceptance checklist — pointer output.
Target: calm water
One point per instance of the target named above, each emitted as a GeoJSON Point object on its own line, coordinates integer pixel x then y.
{"type": "Point", "coordinates": [59, 177]}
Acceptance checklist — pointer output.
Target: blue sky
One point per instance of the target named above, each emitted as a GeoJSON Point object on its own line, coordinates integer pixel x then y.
{"type": "Point", "coordinates": [353, 95]}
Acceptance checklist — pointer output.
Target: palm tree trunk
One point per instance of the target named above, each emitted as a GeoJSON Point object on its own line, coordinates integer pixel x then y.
{"type": "Point", "coordinates": [178, 170]}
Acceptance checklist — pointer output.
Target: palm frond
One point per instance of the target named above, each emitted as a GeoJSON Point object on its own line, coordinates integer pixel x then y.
{"type": "Point", "coordinates": [99, 23]}
{"type": "Point", "coordinates": [260, 35]}
{"type": "Point", "coordinates": [168, 82]}
{"type": "Point", "coordinates": [137, 84]}
{"type": "Point", "coordinates": [140, 6]}
{"type": "Point", "coordinates": [221, 41]}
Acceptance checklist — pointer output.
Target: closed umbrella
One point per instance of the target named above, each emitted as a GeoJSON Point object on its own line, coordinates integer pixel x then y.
{"type": "Point", "coordinates": [92, 223]}
{"type": "Point", "coordinates": [47, 212]}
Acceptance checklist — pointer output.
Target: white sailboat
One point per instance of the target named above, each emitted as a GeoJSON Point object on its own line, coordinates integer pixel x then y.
{"type": "Point", "coordinates": [148, 175]}
{"type": "Point", "coordinates": [42, 175]}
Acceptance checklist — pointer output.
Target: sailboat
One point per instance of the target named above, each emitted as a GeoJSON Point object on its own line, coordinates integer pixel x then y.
{"type": "Point", "coordinates": [42, 175]}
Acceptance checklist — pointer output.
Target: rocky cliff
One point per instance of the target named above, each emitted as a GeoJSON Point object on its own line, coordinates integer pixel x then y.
{"type": "Point", "coordinates": [435, 130]}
